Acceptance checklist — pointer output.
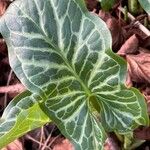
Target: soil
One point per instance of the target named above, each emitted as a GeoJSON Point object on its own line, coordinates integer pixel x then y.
{"type": "Point", "coordinates": [130, 40]}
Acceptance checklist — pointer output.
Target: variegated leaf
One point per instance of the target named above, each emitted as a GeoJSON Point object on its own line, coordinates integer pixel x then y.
{"type": "Point", "coordinates": [23, 114]}
{"type": "Point", "coordinates": [62, 53]}
{"type": "Point", "coordinates": [146, 5]}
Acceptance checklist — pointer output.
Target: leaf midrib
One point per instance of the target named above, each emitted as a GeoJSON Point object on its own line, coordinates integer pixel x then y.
{"type": "Point", "coordinates": [71, 69]}
{"type": "Point", "coordinates": [87, 91]}
{"type": "Point", "coordinates": [47, 39]}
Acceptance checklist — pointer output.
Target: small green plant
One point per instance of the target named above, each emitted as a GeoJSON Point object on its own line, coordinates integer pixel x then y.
{"type": "Point", "coordinates": [134, 7]}
{"type": "Point", "coordinates": [107, 4]}
{"type": "Point", "coordinates": [62, 54]}
{"type": "Point", "coordinates": [132, 4]}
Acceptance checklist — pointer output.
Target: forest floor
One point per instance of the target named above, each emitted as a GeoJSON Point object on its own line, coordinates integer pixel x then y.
{"type": "Point", "coordinates": [131, 40]}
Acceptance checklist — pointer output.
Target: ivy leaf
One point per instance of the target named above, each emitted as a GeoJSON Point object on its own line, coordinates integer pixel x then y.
{"type": "Point", "coordinates": [61, 52]}
{"type": "Point", "coordinates": [22, 115]}
{"type": "Point", "coordinates": [146, 5]}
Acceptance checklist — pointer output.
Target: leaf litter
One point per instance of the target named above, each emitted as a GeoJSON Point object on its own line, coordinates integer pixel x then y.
{"type": "Point", "coordinates": [129, 41]}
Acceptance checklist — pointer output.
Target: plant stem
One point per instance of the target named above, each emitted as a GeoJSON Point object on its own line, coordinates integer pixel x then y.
{"type": "Point", "coordinates": [126, 14]}
{"type": "Point", "coordinates": [17, 88]}
{"type": "Point", "coordinates": [133, 6]}
{"type": "Point", "coordinates": [132, 18]}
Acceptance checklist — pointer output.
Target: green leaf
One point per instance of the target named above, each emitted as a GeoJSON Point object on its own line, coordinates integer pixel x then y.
{"type": "Point", "coordinates": [107, 4]}
{"type": "Point", "coordinates": [62, 53]}
{"type": "Point", "coordinates": [23, 114]}
{"type": "Point", "coordinates": [146, 5]}
{"type": "Point", "coordinates": [120, 108]}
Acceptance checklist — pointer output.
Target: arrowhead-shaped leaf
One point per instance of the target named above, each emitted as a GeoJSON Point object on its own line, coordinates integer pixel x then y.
{"type": "Point", "coordinates": [62, 53]}
{"type": "Point", "coordinates": [23, 114]}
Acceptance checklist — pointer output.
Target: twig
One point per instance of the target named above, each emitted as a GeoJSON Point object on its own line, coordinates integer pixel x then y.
{"type": "Point", "coordinates": [8, 81]}
{"type": "Point", "coordinates": [54, 140]}
{"type": "Point", "coordinates": [32, 139]}
{"type": "Point", "coordinates": [42, 136]}
{"type": "Point", "coordinates": [47, 140]}
{"type": "Point", "coordinates": [17, 88]}
{"type": "Point", "coordinates": [132, 18]}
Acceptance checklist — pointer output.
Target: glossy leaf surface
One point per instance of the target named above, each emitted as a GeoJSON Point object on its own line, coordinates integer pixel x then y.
{"type": "Point", "coordinates": [62, 53]}
{"type": "Point", "coordinates": [22, 115]}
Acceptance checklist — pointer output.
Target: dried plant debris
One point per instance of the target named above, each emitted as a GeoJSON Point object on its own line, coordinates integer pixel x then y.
{"type": "Point", "coordinates": [115, 29]}
{"type": "Point", "coordinates": [63, 145]}
{"type": "Point", "coordinates": [3, 47]}
{"type": "Point", "coordinates": [16, 145]}
{"type": "Point", "coordinates": [3, 6]}
{"type": "Point", "coordinates": [130, 46]}
{"type": "Point", "coordinates": [91, 4]}
{"type": "Point", "coordinates": [139, 67]}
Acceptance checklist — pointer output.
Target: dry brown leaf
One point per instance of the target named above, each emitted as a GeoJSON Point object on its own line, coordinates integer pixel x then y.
{"type": "Point", "coordinates": [114, 27]}
{"type": "Point", "coordinates": [142, 133]}
{"type": "Point", "coordinates": [129, 82]}
{"type": "Point", "coordinates": [91, 4]}
{"type": "Point", "coordinates": [145, 43]}
{"type": "Point", "coordinates": [139, 67]}
{"type": "Point", "coordinates": [130, 46]}
{"type": "Point", "coordinates": [111, 143]}
{"type": "Point", "coordinates": [108, 145]}
{"type": "Point", "coordinates": [146, 92]}
{"type": "Point", "coordinates": [3, 47]}
{"type": "Point", "coordinates": [3, 5]}
{"type": "Point", "coordinates": [16, 145]}
{"type": "Point", "coordinates": [64, 145]}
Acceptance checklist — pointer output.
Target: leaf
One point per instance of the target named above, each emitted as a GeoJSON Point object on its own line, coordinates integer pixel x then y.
{"type": "Point", "coordinates": [15, 145]}
{"type": "Point", "coordinates": [114, 27]}
{"type": "Point", "coordinates": [3, 6]}
{"type": "Point", "coordinates": [23, 114]}
{"type": "Point", "coordinates": [62, 53]}
{"type": "Point", "coordinates": [91, 4]}
{"type": "Point", "coordinates": [139, 67]}
{"type": "Point", "coordinates": [62, 144]}
{"type": "Point", "coordinates": [146, 5]}
{"type": "Point", "coordinates": [121, 120]}
{"type": "Point", "coordinates": [130, 46]}
{"type": "Point", "coordinates": [107, 4]}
